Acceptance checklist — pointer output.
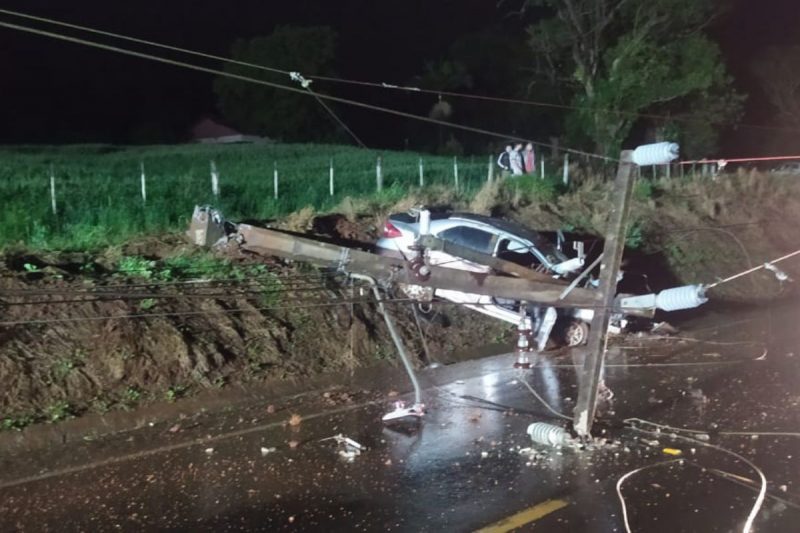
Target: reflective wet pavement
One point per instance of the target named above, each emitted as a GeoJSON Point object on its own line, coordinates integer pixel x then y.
{"type": "Point", "coordinates": [461, 468]}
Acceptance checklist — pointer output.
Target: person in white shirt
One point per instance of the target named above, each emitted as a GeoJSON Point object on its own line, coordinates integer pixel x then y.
{"type": "Point", "coordinates": [516, 160]}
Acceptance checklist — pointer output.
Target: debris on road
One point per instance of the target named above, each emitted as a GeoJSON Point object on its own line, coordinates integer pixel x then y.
{"type": "Point", "coordinates": [401, 411]}
{"type": "Point", "coordinates": [663, 328]}
{"type": "Point", "coordinates": [780, 275]}
{"type": "Point", "coordinates": [266, 451]}
{"type": "Point", "coordinates": [348, 449]}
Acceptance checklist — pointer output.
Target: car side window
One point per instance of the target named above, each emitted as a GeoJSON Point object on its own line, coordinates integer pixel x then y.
{"type": "Point", "coordinates": [472, 238]}
{"type": "Point", "coordinates": [517, 252]}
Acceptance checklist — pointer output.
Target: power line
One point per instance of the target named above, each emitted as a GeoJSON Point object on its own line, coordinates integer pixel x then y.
{"type": "Point", "coordinates": [538, 103]}
{"type": "Point", "coordinates": [335, 117]}
{"type": "Point", "coordinates": [108, 297]}
{"type": "Point", "coordinates": [346, 101]}
{"type": "Point", "coordinates": [195, 313]}
{"type": "Point", "coordinates": [185, 51]}
{"type": "Point", "coordinates": [320, 277]}
{"type": "Point", "coordinates": [379, 85]}
{"type": "Point", "coordinates": [140, 41]}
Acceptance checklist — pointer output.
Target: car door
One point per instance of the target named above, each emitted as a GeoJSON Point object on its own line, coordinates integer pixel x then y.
{"type": "Point", "coordinates": [479, 240]}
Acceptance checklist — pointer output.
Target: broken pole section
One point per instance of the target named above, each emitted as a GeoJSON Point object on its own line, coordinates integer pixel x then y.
{"type": "Point", "coordinates": [421, 173]}
{"type": "Point", "coordinates": [592, 372]}
{"type": "Point", "coordinates": [490, 170]}
{"type": "Point", "coordinates": [455, 171]}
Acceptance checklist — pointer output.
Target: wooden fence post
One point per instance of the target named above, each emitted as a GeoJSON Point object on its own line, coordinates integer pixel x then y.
{"type": "Point", "coordinates": [379, 175]}
{"type": "Point", "coordinates": [566, 169]}
{"type": "Point", "coordinates": [421, 173]}
{"type": "Point", "coordinates": [275, 179]}
{"type": "Point", "coordinates": [143, 179]}
{"type": "Point", "coordinates": [455, 170]}
{"type": "Point", "coordinates": [214, 179]}
{"type": "Point", "coordinates": [490, 170]}
{"type": "Point", "coordinates": [330, 174]}
{"type": "Point", "coordinates": [53, 205]}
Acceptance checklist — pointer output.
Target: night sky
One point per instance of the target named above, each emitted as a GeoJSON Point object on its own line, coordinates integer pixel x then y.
{"type": "Point", "coordinates": [63, 92]}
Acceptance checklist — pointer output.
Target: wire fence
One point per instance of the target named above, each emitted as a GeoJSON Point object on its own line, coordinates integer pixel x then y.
{"type": "Point", "coordinates": [84, 195]}
{"type": "Point", "coordinates": [79, 196]}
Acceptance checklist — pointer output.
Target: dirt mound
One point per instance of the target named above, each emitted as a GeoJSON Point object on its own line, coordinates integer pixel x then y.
{"type": "Point", "coordinates": [86, 337]}
{"type": "Point", "coordinates": [693, 230]}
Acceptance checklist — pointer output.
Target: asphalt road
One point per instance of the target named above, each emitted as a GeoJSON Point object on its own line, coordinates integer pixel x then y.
{"type": "Point", "coordinates": [464, 466]}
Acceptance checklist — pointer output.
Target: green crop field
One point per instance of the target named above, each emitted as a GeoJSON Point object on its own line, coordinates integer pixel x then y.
{"type": "Point", "coordinates": [98, 188]}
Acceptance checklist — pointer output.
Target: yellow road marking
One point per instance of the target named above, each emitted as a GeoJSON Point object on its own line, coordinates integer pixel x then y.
{"type": "Point", "coordinates": [527, 516]}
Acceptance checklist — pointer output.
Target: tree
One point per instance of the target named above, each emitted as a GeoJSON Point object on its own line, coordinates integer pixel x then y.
{"type": "Point", "coordinates": [778, 72]}
{"type": "Point", "coordinates": [619, 58]}
{"type": "Point", "coordinates": [274, 112]}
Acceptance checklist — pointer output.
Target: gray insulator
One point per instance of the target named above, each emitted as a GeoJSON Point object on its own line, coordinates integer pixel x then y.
{"type": "Point", "coordinates": [548, 434]}
{"type": "Point", "coordinates": [686, 297]}
{"type": "Point", "coordinates": [655, 154]}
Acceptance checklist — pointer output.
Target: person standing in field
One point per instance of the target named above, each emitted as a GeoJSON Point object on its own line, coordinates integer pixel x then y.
{"type": "Point", "coordinates": [516, 160]}
{"type": "Point", "coordinates": [504, 161]}
{"type": "Point", "coordinates": [529, 159]}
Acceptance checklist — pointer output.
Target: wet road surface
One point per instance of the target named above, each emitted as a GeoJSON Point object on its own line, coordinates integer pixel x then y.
{"type": "Point", "coordinates": [465, 466]}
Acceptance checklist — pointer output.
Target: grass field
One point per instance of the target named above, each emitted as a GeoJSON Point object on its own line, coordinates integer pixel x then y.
{"type": "Point", "coordinates": [98, 189]}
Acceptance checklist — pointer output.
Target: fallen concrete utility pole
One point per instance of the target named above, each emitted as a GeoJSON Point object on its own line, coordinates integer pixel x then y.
{"type": "Point", "coordinates": [387, 270]}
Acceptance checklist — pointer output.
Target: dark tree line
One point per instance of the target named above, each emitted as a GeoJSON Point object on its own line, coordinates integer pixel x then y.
{"type": "Point", "coordinates": [619, 68]}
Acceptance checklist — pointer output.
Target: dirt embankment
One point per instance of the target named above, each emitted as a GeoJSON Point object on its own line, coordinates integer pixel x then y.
{"type": "Point", "coordinates": [260, 321]}
{"type": "Point", "coordinates": [87, 338]}
{"type": "Point", "coordinates": [684, 231]}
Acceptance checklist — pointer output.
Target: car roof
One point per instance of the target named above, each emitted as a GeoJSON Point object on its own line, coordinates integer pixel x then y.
{"type": "Point", "coordinates": [505, 225]}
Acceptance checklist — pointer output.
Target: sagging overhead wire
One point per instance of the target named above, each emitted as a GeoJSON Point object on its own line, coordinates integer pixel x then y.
{"type": "Point", "coordinates": [306, 84]}
{"type": "Point", "coordinates": [689, 431]}
{"type": "Point", "coordinates": [742, 481]}
{"type": "Point", "coordinates": [298, 305]}
{"type": "Point", "coordinates": [378, 85]}
{"type": "Point", "coordinates": [244, 287]}
{"type": "Point", "coordinates": [354, 103]}
{"type": "Point", "coordinates": [524, 381]}
{"type": "Point", "coordinates": [83, 298]}
{"type": "Point", "coordinates": [768, 266]}
{"type": "Point", "coordinates": [318, 277]}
